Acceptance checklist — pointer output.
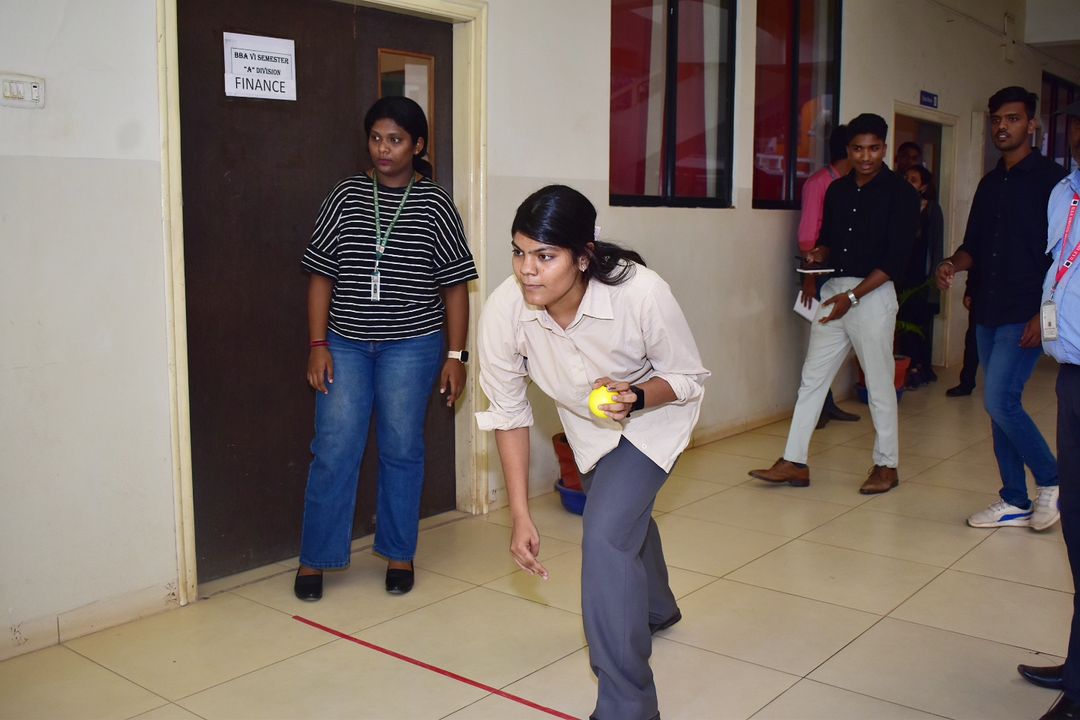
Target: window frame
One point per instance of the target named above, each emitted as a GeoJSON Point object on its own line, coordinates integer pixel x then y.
{"type": "Point", "coordinates": [725, 146]}
{"type": "Point", "coordinates": [791, 150]}
{"type": "Point", "coordinates": [1058, 125]}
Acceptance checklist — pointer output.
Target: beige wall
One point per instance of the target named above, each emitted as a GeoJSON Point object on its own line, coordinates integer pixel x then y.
{"type": "Point", "coordinates": [86, 481]}
{"type": "Point", "coordinates": [86, 489]}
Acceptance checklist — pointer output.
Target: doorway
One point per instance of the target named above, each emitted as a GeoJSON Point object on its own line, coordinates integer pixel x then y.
{"type": "Point", "coordinates": [254, 173]}
{"type": "Point", "coordinates": [934, 132]}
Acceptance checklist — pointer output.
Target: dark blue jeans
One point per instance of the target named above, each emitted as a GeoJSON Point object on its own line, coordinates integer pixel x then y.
{"type": "Point", "coordinates": [395, 379]}
{"type": "Point", "coordinates": [1017, 440]}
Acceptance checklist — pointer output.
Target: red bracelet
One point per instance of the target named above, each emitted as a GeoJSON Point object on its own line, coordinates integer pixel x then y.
{"type": "Point", "coordinates": [319, 343]}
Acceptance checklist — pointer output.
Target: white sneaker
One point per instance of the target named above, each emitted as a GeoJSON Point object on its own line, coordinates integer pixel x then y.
{"type": "Point", "coordinates": [1046, 508]}
{"type": "Point", "coordinates": [1001, 514]}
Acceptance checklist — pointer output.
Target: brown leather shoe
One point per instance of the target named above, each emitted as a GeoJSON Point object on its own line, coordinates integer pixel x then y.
{"type": "Point", "coordinates": [881, 479]}
{"type": "Point", "coordinates": [783, 471]}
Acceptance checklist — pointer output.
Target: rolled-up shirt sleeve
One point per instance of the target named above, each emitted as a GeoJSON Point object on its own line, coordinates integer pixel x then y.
{"type": "Point", "coordinates": [670, 345]}
{"type": "Point", "coordinates": [503, 371]}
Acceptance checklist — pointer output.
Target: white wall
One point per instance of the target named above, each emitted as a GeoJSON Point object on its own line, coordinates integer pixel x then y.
{"type": "Point", "coordinates": [86, 516]}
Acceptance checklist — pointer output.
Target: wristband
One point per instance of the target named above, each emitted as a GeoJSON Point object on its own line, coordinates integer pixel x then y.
{"type": "Point", "coordinates": [639, 404]}
{"type": "Point", "coordinates": [319, 343]}
{"type": "Point", "coordinates": [851, 296]}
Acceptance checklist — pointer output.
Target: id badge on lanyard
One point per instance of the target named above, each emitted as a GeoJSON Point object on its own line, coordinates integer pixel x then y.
{"type": "Point", "coordinates": [1048, 324]}
{"type": "Point", "coordinates": [376, 289]}
{"type": "Point", "coordinates": [1048, 320]}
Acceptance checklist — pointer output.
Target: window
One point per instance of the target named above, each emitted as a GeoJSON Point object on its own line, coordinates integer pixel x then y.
{"type": "Point", "coordinates": [1056, 95]}
{"type": "Point", "coordinates": [797, 100]}
{"type": "Point", "coordinates": [672, 84]}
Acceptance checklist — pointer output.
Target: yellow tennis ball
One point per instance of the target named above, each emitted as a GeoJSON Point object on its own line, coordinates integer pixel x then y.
{"type": "Point", "coordinates": [601, 396]}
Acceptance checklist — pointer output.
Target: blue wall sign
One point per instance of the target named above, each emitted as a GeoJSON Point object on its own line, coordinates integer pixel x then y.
{"type": "Point", "coordinates": [928, 99]}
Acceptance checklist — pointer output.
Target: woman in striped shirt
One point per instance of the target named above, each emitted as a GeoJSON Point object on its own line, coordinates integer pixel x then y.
{"type": "Point", "coordinates": [388, 264]}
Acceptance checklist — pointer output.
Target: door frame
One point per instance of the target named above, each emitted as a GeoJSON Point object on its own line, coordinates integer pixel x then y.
{"type": "Point", "coordinates": [470, 21]}
{"type": "Point", "coordinates": [946, 198]}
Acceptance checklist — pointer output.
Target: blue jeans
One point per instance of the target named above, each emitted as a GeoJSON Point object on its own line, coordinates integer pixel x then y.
{"type": "Point", "coordinates": [1017, 441]}
{"type": "Point", "coordinates": [395, 378]}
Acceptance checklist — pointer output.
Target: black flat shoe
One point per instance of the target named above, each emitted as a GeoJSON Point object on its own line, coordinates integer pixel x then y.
{"type": "Point", "coordinates": [665, 624]}
{"type": "Point", "coordinates": [308, 587]}
{"type": "Point", "coordinates": [399, 580]}
{"type": "Point", "coordinates": [960, 390]}
{"type": "Point", "coordinates": [1047, 676]}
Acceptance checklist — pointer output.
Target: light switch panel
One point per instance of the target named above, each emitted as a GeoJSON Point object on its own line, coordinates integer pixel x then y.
{"type": "Point", "coordinates": [21, 91]}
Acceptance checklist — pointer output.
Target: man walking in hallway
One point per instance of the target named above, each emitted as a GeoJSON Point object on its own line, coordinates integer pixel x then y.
{"type": "Point", "coordinates": [866, 235]}
{"type": "Point", "coordinates": [1061, 339]}
{"type": "Point", "coordinates": [1004, 248]}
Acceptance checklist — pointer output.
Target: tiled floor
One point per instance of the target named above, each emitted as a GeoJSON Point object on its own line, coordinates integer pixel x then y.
{"type": "Point", "coordinates": [798, 603]}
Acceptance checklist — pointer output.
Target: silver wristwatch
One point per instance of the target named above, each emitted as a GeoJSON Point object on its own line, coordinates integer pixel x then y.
{"type": "Point", "coordinates": [851, 296]}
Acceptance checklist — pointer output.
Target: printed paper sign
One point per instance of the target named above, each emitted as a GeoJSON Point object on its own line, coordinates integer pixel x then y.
{"type": "Point", "coordinates": [260, 67]}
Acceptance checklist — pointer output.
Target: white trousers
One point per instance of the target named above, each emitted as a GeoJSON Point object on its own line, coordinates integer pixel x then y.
{"type": "Point", "coordinates": [868, 328]}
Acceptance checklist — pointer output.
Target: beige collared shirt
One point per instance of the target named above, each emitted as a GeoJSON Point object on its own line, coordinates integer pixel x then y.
{"type": "Point", "coordinates": [632, 332]}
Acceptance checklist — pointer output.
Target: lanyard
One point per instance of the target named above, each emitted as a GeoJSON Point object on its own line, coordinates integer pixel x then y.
{"type": "Point", "coordinates": [380, 239]}
{"type": "Point", "coordinates": [1064, 268]}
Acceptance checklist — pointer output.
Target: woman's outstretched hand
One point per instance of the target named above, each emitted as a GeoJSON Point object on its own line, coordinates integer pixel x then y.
{"type": "Point", "coordinates": [525, 547]}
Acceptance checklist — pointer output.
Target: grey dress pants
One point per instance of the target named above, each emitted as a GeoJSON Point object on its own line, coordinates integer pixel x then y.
{"type": "Point", "coordinates": [624, 581]}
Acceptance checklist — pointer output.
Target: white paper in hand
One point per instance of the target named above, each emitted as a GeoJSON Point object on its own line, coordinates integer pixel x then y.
{"type": "Point", "coordinates": [807, 312]}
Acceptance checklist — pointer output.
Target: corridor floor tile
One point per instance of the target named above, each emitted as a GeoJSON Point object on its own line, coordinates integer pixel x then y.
{"type": "Point", "coordinates": [1023, 557]}
{"type": "Point", "coordinates": [844, 577]}
{"type": "Point", "coordinates": [488, 636]}
{"type": "Point", "coordinates": [711, 548]}
{"type": "Point", "coordinates": [339, 680]}
{"type": "Point", "coordinates": [810, 700]}
{"type": "Point", "coordinates": [177, 653]}
{"type": "Point", "coordinates": [1006, 612]}
{"type": "Point", "coordinates": [764, 511]}
{"type": "Point", "coordinates": [896, 536]}
{"type": "Point", "coordinates": [58, 683]}
{"type": "Point", "coordinates": [936, 671]}
{"type": "Point", "coordinates": [765, 627]}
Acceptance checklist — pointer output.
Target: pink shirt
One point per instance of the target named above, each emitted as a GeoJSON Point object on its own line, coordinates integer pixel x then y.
{"type": "Point", "coordinates": [813, 202]}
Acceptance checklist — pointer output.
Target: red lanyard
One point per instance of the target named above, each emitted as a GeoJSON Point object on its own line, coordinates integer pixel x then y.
{"type": "Point", "coordinates": [1064, 241]}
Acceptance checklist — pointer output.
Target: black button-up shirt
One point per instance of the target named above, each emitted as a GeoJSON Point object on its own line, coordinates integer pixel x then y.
{"type": "Point", "coordinates": [870, 227]}
{"type": "Point", "coordinates": [1006, 237]}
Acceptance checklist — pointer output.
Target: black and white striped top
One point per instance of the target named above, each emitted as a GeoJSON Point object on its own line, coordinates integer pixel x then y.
{"type": "Point", "coordinates": [427, 250]}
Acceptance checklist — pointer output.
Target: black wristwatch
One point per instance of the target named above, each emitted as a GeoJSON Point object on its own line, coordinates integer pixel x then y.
{"type": "Point", "coordinates": [639, 404]}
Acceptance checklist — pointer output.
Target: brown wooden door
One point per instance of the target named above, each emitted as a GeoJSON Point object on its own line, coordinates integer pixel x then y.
{"type": "Point", "coordinates": [254, 175]}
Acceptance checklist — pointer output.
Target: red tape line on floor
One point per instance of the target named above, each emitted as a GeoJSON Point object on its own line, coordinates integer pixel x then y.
{"type": "Point", "coordinates": [434, 669]}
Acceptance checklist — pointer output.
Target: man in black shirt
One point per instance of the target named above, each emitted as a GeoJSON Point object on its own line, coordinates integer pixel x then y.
{"type": "Point", "coordinates": [1004, 250]}
{"type": "Point", "coordinates": [867, 231]}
